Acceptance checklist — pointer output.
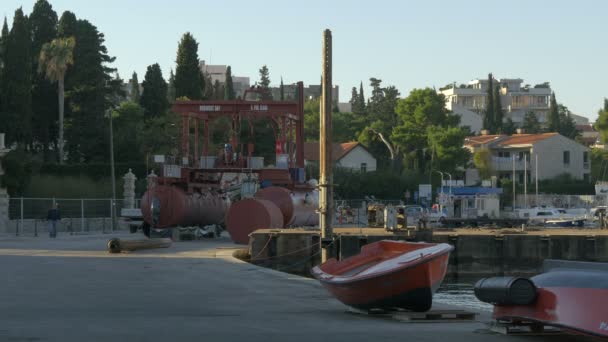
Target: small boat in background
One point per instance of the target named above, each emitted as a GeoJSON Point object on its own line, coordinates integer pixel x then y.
{"type": "Point", "coordinates": [387, 274]}
{"type": "Point", "coordinates": [570, 295]}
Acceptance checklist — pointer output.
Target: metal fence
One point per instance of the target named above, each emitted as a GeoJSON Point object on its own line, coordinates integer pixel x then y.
{"type": "Point", "coordinates": [561, 201]}
{"type": "Point", "coordinates": [27, 216]}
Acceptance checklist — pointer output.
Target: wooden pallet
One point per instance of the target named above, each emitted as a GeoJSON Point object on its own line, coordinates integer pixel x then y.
{"type": "Point", "coordinates": [524, 329]}
{"type": "Point", "coordinates": [432, 316]}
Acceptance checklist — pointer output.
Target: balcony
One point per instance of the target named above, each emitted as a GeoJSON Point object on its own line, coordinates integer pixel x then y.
{"type": "Point", "coordinates": [506, 164]}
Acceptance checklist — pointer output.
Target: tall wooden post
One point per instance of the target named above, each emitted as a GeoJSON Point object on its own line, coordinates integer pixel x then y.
{"type": "Point", "coordinates": [326, 142]}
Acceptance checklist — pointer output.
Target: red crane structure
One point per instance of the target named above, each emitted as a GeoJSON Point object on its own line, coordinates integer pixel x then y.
{"type": "Point", "coordinates": [189, 191]}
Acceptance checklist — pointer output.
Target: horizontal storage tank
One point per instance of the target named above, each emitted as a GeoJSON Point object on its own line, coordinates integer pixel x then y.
{"type": "Point", "coordinates": [248, 215]}
{"type": "Point", "coordinates": [167, 206]}
{"type": "Point", "coordinates": [505, 291]}
{"type": "Point", "coordinates": [299, 208]}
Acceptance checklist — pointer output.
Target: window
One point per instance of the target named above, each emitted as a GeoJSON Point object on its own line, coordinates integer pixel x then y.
{"type": "Point", "coordinates": [363, 167]}
{"type": "Point", "coordinates": [585, 157]}
{"type": "Point", "coordinates": [566, 157]}
{"type": "Point", "coordinates": [505, 154]}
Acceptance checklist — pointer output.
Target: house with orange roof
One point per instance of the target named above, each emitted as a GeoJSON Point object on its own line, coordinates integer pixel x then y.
{"type": "Point", "coordinates": [350, 155]}
{"type": "Point", "coordinates": [547, 155]}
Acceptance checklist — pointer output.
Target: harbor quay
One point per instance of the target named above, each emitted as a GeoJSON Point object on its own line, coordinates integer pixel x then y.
{"type": "Point", "coordinates": [477, 252]}
{"type": "Point", "coordinates": [72, 289]}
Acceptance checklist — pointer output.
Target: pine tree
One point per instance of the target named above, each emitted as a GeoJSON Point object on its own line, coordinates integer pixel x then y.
{"type": "Point", "coordinates": [218, 90]}
{"type": "Point", "coordinates": [531, 124]}
{"type": "Point", "coordinates": [134, 84]}
{"type": "Point", "coordinates": [282, 96]}
{"type": "Point", "coordinates": [553, 118]}
{"type": "Point", "coordinates": [17, 81]}
{"type": "Point", "coordinates": [354, 99]}
{"type": "Point", "coordinates": [508, 127]}
{"type": "Point", "coordinates": [264, 83]}
{"type": "Point", "coordinates": [228, 86]}
{"type": "Point", "coordinates": [188, 80]}
{"type": "Point", "coordinates": [171, 87]}
{"type": "Point", "coordinates": [498, 112]}
{"type": "Point", "coordinates": [43, 25]}
{"type": "Point", "coordinates": [154, 97]}
{"type": "Point", "coordinates": [567, 126]}
{"type": "Point", "coordinates": [3, 41]}
{"type": "Point", "coordinates": [208, 91]}
{"type": "Point", "coordinates": [361, 97]}
{"type": "Point", "coordinates": [488, 118]}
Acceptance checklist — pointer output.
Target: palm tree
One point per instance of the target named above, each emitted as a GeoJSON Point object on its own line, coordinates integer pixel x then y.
{"type": "Point", "coordinates": [55, 57]}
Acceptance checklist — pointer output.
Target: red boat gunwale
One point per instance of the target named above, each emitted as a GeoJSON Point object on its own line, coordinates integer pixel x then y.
{"type": "Point", "coordinates": [368, 259]}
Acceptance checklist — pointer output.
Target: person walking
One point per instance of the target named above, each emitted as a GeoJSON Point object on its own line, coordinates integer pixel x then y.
{"type": "Point", "coordinates": [53, 216]}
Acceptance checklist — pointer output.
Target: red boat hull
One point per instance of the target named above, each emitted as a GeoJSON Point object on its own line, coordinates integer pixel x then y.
{"type": "Point", "coordinates": [572, 299]}
{"type": "Point", "coordinates": [409, 285]}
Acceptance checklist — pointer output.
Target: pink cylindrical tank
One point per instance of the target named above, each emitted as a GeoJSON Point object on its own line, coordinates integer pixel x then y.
{"type": "Point", "coordinates": [167, 206]}
{"type": "Point", "coordinates": [248, 215]}
{"type": "Point", "coordinates": [299, 207]}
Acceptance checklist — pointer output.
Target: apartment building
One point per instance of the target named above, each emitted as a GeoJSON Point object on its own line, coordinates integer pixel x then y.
{"type": "Point", "coordinates": [519, 153]}
{"type": "Point", "coordinates": [218, 72]}
{"type": "Point", "coordinates": [470, 100]}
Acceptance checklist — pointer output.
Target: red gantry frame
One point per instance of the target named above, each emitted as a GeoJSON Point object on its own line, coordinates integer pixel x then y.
{"type": "Point", "coordinates": [285, 117]}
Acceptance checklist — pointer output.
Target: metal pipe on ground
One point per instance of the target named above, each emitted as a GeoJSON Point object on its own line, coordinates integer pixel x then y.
{"type": "Point", "coordinates": [117, 245]}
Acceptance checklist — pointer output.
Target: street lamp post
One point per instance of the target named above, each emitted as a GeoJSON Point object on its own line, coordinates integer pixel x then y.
{"type": "Point", "coordinates": [113, 204]}
{"type": "Point", "coordinates": [450, 175]}
{"type": "Point", "coordinates": [441, 173]}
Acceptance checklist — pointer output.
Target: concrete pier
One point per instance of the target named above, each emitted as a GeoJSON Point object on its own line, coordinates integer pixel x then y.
{"type": "Point", "coordinates": [478, 252]}
{"type": "Point", "coordinates": [71, 289]}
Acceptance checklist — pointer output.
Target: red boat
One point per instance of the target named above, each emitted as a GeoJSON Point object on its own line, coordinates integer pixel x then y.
{"type": "Point", "coordinates": [570, 295]}
{"type": "Point", "coordinates": [387, 274]}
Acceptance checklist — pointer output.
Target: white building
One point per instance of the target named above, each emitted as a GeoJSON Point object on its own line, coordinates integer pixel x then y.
{"type": "Point", "coordinates": [469, 101]}
{"type": "Point", "coordinates": [556, 155]}
{"type": "Point", "coordinates": [351, 155]}
{"type": "Point", "coordinates": [218, 72]}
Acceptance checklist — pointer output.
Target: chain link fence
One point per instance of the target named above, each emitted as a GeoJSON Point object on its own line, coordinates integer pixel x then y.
{"type": "Point", "coordinates": [28, 216]}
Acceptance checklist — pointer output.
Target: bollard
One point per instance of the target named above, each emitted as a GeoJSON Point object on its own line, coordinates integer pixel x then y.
{"type": "Point", "coordinates": [523, 227]}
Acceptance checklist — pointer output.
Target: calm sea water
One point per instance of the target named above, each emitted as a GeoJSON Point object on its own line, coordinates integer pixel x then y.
{"type": "Point", "coordinates": [460, 294]}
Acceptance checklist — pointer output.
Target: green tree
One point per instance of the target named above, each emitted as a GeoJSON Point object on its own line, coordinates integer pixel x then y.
{"type": "Point", "coordinates": [188, 79]}
{"type": "Point", "coordinates": [508, 127]}
{"type": "Point", "coordinates": [128, 129]}
{"type": "Point", "coordinates": [361, 97]}
{"type": "Point", "coordinates": [208, 90]}
{"type": "Point", "coordinates": [229, 93]}
{"type": "Point", "coordinates": [482, 160]}
{"type": "Point", "coordinates": [264, 82]}
{"type": "Point", "coordinates": [422, 109]}
{"type": "Point", "coordinates": [282, 90]}
{"type": "Point", "coordinates": [171, 87]}
{"type": "Point", "coordinates": [154, 97]}
{"type": "Point", "coordinates": [354, 99]}
{"type": "Point", "coordinates": [498, 112]}
{"type": "Point", "coordinates": [553, 118]}
{"type": "Point", "coordinates": [601, 124]}
{"type": "Point", "coordinates": [55, 58]}
{"type": "Point", "coordinates": [3, 42]}
{"type": "Point", "coordinates": [134, 84]}
{"type": "Point", "coordinates": [160, 134]}
{"type": "Point", "coordinates": [567, 126]}
{"type": "Point", "coordinates": [91, 89]}
{"type": "Point", "coordinates": [489, 115]}
{"type": "Point", "coordinates": [531, 124]}
{"type": "Point", "coordinates": [218, 90]}
{"type": "Point", "coordinates": [43, 26]}
{"type": "Point", "coordinates": [17, 165]}
{"type": "Point", "coordinates": [17, 82]}
{"type": "Point", "coordinates": [446, 146]}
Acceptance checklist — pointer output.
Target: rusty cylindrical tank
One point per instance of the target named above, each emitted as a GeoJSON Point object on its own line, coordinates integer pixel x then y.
{"type": "Point", "coordinates": [299, 207]}
{"type": "Point", "coordinates": [166, 206]}
{"type": "Point", "coordinates": [248, 215]}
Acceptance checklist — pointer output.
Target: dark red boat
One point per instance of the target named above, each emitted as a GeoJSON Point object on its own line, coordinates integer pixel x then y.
{"type": "Point", "coordinates": [568, 294]}
{"type": "Point", "coordinates": [387, 274]}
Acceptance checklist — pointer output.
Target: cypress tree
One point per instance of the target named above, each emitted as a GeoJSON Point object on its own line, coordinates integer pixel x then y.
{"type": "Point", "coordinates": [171, 87]}
{"type": "Point", "coordinates": [361, 98]}
{"type": "Point", "coordinates": [134, 83]}
{"type": "Point", "coordinates": [282, 90]}
{"type": "Point", "coordinates": [553, 118]}
{"type": "Point", "coordinates": [354, 99]}
{"type": "Point", "coordinates": [154, 97]}
{"type": "Point", "coordinates": [188, 79]}
{"type": "Point", "coordinates": [218, 90]}
{"type": "Point", "coordinates": [264, 82]}
{"type": "Point", "coordinates": [498, 112]}
{"type": "Point", "coordinates": [17, 77]}
{"type": "Point", "coordinates": [3, 42]}
{"type": "Point", "coordinates": [228, 86]}
{"type": "Point", "coordinates": [43, 24]}
{"type": "Point", "coordinates": [208, 90]}
{"type": "Point", "coordinates": [488, 119]}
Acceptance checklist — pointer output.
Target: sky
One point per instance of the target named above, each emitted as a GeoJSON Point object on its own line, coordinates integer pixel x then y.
{"type": "Point", "coordinates": [408, 44]}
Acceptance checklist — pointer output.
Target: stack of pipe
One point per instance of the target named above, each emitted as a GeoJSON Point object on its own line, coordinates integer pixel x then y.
{"type": "Point", "coordinates": [272, 207]}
